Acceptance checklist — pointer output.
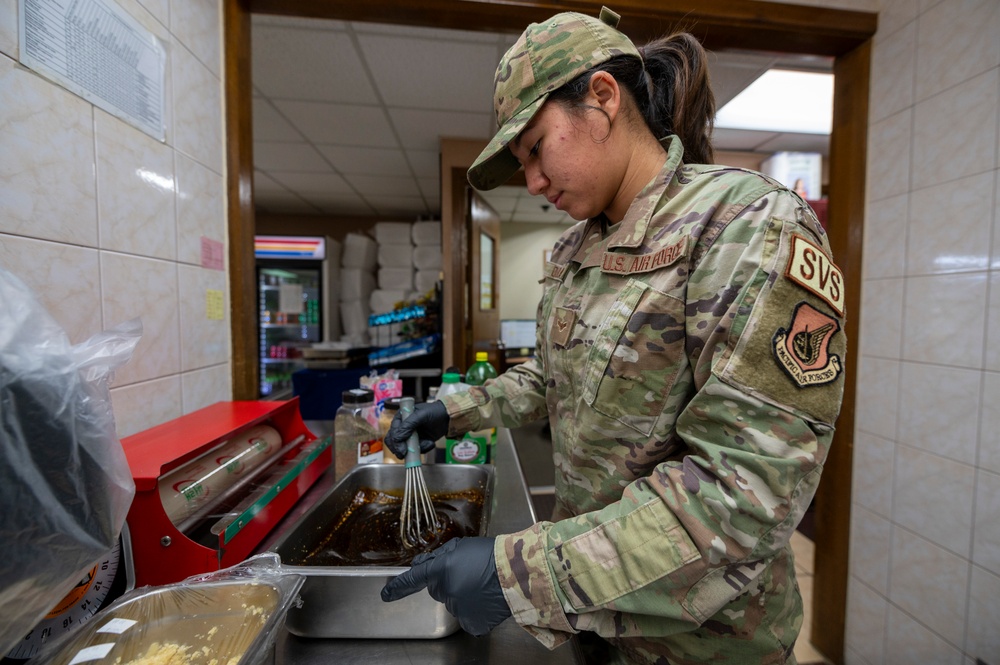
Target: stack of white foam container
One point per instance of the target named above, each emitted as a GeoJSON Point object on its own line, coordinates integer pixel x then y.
{"type": "Point", "coordinates": [357, 282]}
{"type": "Point", "coordinates": [395, 266]}
{"type": "Point", "coordinates": [426, 255]}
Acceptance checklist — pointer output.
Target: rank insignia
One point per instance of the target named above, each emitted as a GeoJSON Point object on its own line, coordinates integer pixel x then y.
{"type": "Point", "coordinates": [562, 326]}
{"type": "Point", "coordinates": [803, 349]}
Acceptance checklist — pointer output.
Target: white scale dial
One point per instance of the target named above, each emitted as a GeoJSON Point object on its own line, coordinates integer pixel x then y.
{"type": "Point", "coordinates": [81, 603]}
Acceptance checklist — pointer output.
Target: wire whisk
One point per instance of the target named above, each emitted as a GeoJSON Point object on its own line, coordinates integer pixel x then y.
{"type": "Point", "coordinates": [417, 517]}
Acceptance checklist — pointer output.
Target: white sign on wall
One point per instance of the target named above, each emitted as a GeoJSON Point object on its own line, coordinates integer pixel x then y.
{"type": "Point", "coordinates": [96, 50]}
{"type": "Point", "coordinates": [799, 171]}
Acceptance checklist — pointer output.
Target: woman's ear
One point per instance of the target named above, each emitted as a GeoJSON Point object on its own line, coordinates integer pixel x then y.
{"type": "Point", "coordinates": [605, 93]}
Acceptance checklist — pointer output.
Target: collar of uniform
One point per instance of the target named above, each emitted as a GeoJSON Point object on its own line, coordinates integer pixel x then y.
{"type": "Point", "coordinates": [590, 238]}
{"type": "Point", "coordinates": [632, 229]}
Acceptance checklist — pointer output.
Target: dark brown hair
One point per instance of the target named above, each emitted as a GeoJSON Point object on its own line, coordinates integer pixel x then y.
{"type": "Point", "coordinates": [670, 87]}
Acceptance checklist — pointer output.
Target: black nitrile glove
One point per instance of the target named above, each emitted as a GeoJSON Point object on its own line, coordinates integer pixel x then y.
{"type": "Point", "coordinates": [462, 574]}
{"type": "Point", "coordinates": [429, 420]}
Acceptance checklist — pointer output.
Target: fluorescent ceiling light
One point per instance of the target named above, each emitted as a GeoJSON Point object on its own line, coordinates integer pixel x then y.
{"type": "Point", "coordinates": [782, 101]}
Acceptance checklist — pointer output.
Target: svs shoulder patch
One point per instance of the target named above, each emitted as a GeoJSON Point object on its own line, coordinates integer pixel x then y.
{"type": "Point", "coordinates": [811, 269]}
{"type": "Point", "coordinates": [803, 348]}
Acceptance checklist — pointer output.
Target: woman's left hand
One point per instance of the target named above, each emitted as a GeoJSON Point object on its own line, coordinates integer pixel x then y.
{"type": "Point", "coordinates": [462, 574]}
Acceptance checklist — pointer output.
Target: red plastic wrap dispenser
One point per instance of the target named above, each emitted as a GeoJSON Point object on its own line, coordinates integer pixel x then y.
{"type": "Point", "coordinates": [161, 553]}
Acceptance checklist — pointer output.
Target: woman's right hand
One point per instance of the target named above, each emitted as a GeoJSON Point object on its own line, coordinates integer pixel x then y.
{"type": "Point", "coordinates": [429, 420]}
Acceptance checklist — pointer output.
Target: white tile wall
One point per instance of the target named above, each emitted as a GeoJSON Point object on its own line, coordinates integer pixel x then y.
{"type": "Point", "coordinates": [932, 307]}
{"type": "Point", "coordinates": [955, 240]}
{"type": "Point", "coordinates": [986, 540]}
{"type": "Point", "coordinates": [104, 223]}
{"type": "Point", "coordinates": [955, 131]}
{"type": "Point", "coordinates": [889, 155]}
{"type": "Point", "coordinates": [909, 641]}
{"type": "Point", "coordinates": [922, 570]}
{"type": "Point", "coordinates": [885, 236]}
{"type": "Point", "coordinates": [47, 186]}
{"type": "Point", "coordinates": [873, 461]}
{"type": "Point", "coordinates": [57, 274]}
{"type": "Point", "coordinates": [941, 421]}
{"type": "Point", "coordinates": [956, 42]}
{"type": "Point", "coordinates": [136, 286]}
{"type": "Point", "coordinates": [866, 618]}
{"type": "Point", "coordinates": [136, 190]}
{"type": "Point", "coordinates": [984, 613]}
{"type": "Point", "coordinates": [924, 581]}
{"type": "Point", "coordinates": [933, 495]}
{"type": "Point", "coordinates": [989, 428]}
{"type": "Point", "coordinates": [8, 28]}
{"type": "Point", "coordinates": [892, 70]}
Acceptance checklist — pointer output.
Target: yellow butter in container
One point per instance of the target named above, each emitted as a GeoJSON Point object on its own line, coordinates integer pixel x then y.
{"type": "Point", "coordinates": [230, 617]}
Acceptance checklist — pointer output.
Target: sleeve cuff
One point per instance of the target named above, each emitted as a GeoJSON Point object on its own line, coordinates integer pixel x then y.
{"type": "Point", "coordinates": [528, 586]}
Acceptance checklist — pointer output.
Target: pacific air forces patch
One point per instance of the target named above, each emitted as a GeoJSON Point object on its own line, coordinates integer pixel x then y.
{"type": "Point", "coordinates": [803, 348]}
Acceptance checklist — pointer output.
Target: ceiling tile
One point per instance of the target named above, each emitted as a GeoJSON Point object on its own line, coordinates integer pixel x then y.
{"type": "Point", "coordinates": [463, 72]}
{"type": "Point", "coordinates": [739, 139]}
{"type": "Point", "coordinates": [502, 204]}
{"type": "Point", "coordinates": [341, 124]}
{"type": "Point", "coordinates": [731, 74]}
{"type": "Point", "coordinates": [366, 161]}
{"type": "Point", "coordinates": [344, 205]}
{"type": "Point", "coordinates": [384, 185]}
{"type": "Point", "coordinates": [266, 185]}
{"type": "Point", "coordinates": [309, 64]}
{"type": "Point", "coordinates": [311, 85]}
{"type": "Point", "coordinates": [275, 156]}
{"type": "Point", "coordinates": [424, 129]}
{"type": "Point", "coordinates": [425, 162]}
{"type": "Point", "coordinates": [789, 142]}
{"type": "Point", "coordinates": [339, 201]}
{"type": "Point", "coordinates": [286, 205]}
{"type": "Point", "coordinates": [309, 184]}
{"type": "Point", "coordinates": [399, 206]}
{"type": "Point", "coordinates": [270, 125]}
{"type": "Point", "coordinates": [430, 188]}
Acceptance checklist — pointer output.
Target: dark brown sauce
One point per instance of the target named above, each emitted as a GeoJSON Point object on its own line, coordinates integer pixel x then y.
{"type": "Point", "coordinates": [367, 533]}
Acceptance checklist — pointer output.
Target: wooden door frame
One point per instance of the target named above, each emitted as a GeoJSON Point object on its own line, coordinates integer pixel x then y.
{"type": "Point", "coordinates": [719, 24]}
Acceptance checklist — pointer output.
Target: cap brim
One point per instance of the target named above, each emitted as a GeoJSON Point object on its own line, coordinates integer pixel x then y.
{"type": "Point", "coordinates": [496, 164]}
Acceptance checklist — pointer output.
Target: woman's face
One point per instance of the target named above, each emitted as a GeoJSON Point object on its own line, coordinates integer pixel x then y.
{"type": "Point", "coordinates": [566, 160]}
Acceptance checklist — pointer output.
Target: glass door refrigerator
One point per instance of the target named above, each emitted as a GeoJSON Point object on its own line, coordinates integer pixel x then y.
{"type": "Point", "coordinates": [290, 296]}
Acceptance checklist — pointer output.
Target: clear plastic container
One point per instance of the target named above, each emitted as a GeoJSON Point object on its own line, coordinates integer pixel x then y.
{"type": "Point", "coordinates": [232, 616]}
{"type": "Point", "coordinates": [356, 438]}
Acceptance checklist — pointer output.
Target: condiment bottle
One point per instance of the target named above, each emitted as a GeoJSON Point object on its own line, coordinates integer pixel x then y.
{"type": "Point", "coordinates": [479, 373]}
{"type": "Point", "coordinates": [472, 447]}
{"type": "Point", "coordinates": [356, 438]}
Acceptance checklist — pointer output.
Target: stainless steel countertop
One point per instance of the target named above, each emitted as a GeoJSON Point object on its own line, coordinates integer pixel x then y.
{"type": "Point", "coordinates": [511, 511]}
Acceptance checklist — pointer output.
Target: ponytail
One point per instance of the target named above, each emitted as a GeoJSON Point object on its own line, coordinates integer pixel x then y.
{"type": "Point", "coordinates": [670, 87]}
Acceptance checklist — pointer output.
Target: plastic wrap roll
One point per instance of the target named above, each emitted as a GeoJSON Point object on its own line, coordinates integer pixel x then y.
{"type": "Point", "coordinates": [200, 482]}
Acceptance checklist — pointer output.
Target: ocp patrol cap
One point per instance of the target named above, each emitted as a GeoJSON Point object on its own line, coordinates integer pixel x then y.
{"type": "Point", "coordinates": [546, 56]}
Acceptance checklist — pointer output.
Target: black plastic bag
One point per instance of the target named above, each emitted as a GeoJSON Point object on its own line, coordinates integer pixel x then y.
{"type": "Point", "coordinates": [65, 485]}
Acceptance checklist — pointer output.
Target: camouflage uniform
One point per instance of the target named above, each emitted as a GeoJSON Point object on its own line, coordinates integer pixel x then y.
{"type": "Point", "coordinates": [689, 361]}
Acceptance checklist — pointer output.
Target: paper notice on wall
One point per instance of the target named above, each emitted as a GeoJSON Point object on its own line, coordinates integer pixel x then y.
{"type": "Point", "coordinates": [290, 298]}
{"type": "Point", "coordinates": [214, 305]}
{"type": "Point", "coordinates": [95, 49]}
{"type": "Point", "coordinates": [212, 254]}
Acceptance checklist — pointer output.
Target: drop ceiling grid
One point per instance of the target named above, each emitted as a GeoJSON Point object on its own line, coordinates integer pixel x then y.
{"type": "Point", "coordinates": [348, 116]}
